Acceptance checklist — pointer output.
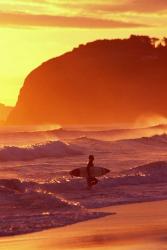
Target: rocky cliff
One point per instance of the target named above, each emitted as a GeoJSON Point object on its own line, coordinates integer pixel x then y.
{"type": "Point", "coordinates": [101, 82]}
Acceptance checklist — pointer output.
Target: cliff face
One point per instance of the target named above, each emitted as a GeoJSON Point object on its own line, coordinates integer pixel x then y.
{"type": "Point", "coordinates": [102, 82]}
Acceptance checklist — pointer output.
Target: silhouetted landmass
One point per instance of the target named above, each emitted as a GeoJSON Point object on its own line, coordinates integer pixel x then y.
{"type": "Point", "coordinates": [4, 112]}
{"type": "Point", "coordinates": [101, 82]}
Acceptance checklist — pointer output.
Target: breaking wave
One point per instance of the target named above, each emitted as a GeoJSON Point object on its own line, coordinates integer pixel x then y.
{"type": "Point", "coordinates": [28, 206]}
{"type": "Point", "coordinates": [48, 149]}
{"type": "Point", "coordinates": [43, 195]}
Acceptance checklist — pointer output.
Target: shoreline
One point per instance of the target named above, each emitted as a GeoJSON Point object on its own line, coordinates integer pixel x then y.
{"type": "Point", "coordinates": [100, 212]}
{"type": "Point", "coordinates": [138, 224]}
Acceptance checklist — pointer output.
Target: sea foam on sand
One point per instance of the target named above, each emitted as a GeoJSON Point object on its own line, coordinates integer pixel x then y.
{"type": "Point", "coordinates": [134, 227]}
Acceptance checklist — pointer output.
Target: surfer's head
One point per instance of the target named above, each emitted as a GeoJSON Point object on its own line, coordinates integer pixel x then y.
{"type": "Point", "coordinates": [91, 158]}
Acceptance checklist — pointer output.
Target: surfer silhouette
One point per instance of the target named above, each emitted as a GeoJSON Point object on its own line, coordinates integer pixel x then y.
{"type": "Point", "coordinates": [91, 180]}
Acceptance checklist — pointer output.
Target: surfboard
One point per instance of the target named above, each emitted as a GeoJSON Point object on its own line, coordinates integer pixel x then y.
{"type": "Point", "coordinates": [94, 172]}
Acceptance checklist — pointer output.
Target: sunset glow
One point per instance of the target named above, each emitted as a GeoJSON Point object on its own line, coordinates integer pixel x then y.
{"type": "Point", "coordinates": [35, 31]}
{"type": "Point", "coordinates": [83, 124]}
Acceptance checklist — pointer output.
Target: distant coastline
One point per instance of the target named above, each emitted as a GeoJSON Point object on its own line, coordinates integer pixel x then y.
{"type": "Point", "coordinates": [4, 112]}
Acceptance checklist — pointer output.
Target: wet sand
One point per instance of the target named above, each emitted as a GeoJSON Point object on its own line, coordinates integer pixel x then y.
{"type": "Point", "coordinates": [141, 226]}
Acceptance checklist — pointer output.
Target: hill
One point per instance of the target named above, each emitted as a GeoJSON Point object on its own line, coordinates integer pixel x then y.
{"type": "Point", "coordinates": [102, 82]}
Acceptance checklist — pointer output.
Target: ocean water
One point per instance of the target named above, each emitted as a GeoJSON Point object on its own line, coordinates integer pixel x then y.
{"type": "Point", "coordinates": [37, 192]}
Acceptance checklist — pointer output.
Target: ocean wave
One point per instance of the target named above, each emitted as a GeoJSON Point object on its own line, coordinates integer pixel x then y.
{"type": "Point", "coordinates": [149, 184]}
{"type": "Point", "coordinates": [19, 136]}
{"type": "Point", "coordinates": [154, 170]}
{"type": "Point", "coordinates": [48, 149]}
{"type": "Point", "coordinates": [113, 155]}
{"type": "Point", "coordinates": [156, 140]}
{"type": "Point", "coordinates": [154, 173]}
{"type": "Point", "coordinates": [28, 206]}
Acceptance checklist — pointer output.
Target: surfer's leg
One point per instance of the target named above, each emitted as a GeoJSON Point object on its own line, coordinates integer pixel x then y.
{"type": "Point", "coordinates": [91, 181]}
{"type": "Point", "coordinates": [89, 184]}
{"type": "Point", "coordinates": [94, 181]}
{"type": "Point", "coordinates": [89, 187]}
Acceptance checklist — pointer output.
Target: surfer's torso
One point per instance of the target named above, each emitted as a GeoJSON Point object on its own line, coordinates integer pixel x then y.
{"type": "Point", "coordinates": [91, 180]}
{"type": "Point", "coordinates": [90, 165]}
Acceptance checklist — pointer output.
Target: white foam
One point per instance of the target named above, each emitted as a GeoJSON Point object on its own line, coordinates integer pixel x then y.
{"type": "Point", "coordinates": [30, 207]}
{"type": "Point", "coordinates": [48, 149]}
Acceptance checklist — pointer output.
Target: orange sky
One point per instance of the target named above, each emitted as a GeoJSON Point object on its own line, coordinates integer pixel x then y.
{"type": "Point", "coordinates": [33, 31]}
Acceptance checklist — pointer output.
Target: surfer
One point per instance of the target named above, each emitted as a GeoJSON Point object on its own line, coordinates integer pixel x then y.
{"type": "Point", "coordinates": [90, 179]}
{"type": "Point", "coordinates": [89, 172]}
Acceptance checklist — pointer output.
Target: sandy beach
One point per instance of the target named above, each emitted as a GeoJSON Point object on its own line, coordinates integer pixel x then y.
{"type": "Point", "coordinates": [141, 226]}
